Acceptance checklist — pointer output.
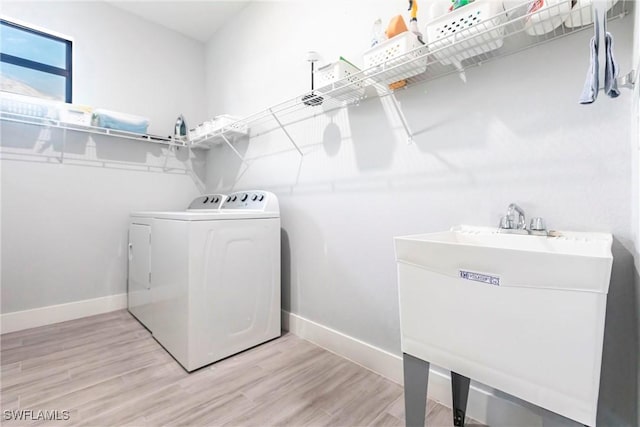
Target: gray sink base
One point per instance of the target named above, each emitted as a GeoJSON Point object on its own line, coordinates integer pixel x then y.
{"type": "Point", "coordinates": [460, 393]}
{"type": "Point", "coordinates": [416, 379]}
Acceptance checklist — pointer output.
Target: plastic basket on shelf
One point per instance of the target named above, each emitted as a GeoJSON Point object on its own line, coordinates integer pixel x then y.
{"type": "Point", "coordinates": [466, 32]}
{"type": "Point", "coordinates": [545, 16]}
{"type": "Point", "coordinates": [28, 106]}
{"type": "Point", "coordinates": [342, 78]}
{"type": "Point", "coordinates": [398, 58]}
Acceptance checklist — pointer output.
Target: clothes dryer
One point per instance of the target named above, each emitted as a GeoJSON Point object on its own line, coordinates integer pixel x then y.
{"type": "Point", "coordinates": [139, 254]}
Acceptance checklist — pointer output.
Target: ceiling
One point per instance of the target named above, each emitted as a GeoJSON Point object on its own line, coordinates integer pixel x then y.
{"type": "Point", "coordinates": [196, 19]}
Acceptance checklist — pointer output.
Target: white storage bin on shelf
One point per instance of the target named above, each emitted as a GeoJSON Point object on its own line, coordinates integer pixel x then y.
{"type": "Point", "coordinates": [468, 31]}
{"type": "Point", "coordinates": [396, 59]}
{"type": "Point", "coordinates": [75, 114]}
{"type": "Point", "coordinates": [341, 77]}
{"type": "Point", "coordinates": [544, 16]}
{"type": "Point", "coordinates": [211, 131]}
{"type": "Point", "coordinates": [200, 131]}
{"type": "Point", "coordinates": [227, 123]}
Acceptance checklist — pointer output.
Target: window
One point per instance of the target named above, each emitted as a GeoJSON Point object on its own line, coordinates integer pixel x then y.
{"type": "Point", "coordinates": [34, 63]}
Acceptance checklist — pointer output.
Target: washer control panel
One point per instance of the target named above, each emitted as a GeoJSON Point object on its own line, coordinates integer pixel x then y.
{"type": "Point", "coordinates": [254, 200]}
{"type": "Point", "coordinates": [208, 201]}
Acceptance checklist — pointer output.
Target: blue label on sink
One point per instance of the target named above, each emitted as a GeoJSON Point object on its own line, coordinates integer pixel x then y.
{"type": "Point", "coordinates": [480, 277]}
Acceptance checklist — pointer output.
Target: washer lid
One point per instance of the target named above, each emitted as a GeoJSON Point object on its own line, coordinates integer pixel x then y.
{"type": "Point", "coordinates": [154, 214]}
{"type": "Point", "coordinates": [206, 215]}
{"type": "Point", "coordinates": [239, 205]}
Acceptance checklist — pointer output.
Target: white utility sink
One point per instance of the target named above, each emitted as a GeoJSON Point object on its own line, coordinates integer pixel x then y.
{"type": "Point", "coordinates": [524, 314]}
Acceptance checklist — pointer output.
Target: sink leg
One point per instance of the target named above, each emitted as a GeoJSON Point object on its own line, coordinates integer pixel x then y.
{"type": "Point", "coordinates": [460, 390]}
{"type": "Point", "coordinates": [416, 378]}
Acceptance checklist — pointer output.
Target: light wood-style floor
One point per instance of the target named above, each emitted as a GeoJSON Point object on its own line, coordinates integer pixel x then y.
{"type": "Point", "coordinates": [108, 370]}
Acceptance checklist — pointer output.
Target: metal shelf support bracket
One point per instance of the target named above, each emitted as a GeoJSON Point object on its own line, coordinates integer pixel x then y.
{"type": "Point", "coordinates": [403, 119]}
{"type": "Point", "coordinates": [64, 145]}
{"type": "Point", "coordinates": [226, 140]}
{"type": "Point", "coordinates": [285, 131]}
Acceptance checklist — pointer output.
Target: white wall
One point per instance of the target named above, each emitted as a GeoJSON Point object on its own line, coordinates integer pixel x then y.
{"type": "Point", "coordinates": [124, 63]}
{"type": "Point", "coordinates": [514, 132]}
{"type": "Point", "coordinates": [64, 224]}
{"type": "Point", "coordinates": [635, 141]}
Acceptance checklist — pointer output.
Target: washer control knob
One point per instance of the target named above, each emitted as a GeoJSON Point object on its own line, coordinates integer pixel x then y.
{"type": "Point", "coordinates": [255, 197]}
{"type": "Point", "coordinates": [206, 199]}
{"type": "Point", "coordinates": [261, 197]}
{"type": "Point", "coordinates": [234, 198]}
{"type": "Point", "coordinates": [245, 197]}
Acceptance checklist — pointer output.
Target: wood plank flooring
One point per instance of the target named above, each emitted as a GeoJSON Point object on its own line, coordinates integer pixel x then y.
{"type": "Point", "coordinates": [107, 370]}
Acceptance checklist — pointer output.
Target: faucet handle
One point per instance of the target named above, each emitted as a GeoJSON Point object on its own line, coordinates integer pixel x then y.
{"type": "Point", "coordinates": [537, 224]}
{"type": "Point", "coordinates": [506, 222]}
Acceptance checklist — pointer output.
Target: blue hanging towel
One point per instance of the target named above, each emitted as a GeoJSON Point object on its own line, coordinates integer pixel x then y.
{"type": "Point", "coordinates": [611, 66]}
{"type": "Point", "coordinates": [591, 84]}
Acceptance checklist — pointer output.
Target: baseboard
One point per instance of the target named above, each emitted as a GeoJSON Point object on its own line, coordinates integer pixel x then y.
{"type": "Point", "coordinates": [19, 320]}
{"type": "Point", "coordinates": [373, 358]}
{"type": "Point", "coordinates": [485, 405]}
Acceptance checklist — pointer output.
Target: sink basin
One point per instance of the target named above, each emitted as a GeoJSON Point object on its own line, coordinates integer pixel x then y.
{"type": "Point", "coordinates": [524, 314]}
{"type": "Point", "coordinates": [573, 260]}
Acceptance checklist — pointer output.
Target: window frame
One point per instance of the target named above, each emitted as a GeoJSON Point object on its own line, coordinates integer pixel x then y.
{"type": "Point", "coordinates": [66, 72]}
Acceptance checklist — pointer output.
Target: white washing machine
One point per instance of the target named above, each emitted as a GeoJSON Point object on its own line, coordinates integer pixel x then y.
{"type": "Point", "coordinates": [215, 278]}
{"type": "Point", "coordinates": [139, 253]}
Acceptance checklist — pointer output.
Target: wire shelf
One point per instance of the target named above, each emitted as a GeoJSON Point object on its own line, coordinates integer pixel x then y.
{"type": "Point", "coordinates": [510, 31]}
{"type": "Point", "coordinates": [217, 136]}
{"type": "Point", "coordinates": [507, 32]}
{"type": "Point", "coordinates": [54, 123]}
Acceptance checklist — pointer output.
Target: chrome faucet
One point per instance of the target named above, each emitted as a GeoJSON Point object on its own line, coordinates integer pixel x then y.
{"type": "Point", "coordinates": [521, 217]}
{"type": "Point", "coordinates": [508, 223]}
